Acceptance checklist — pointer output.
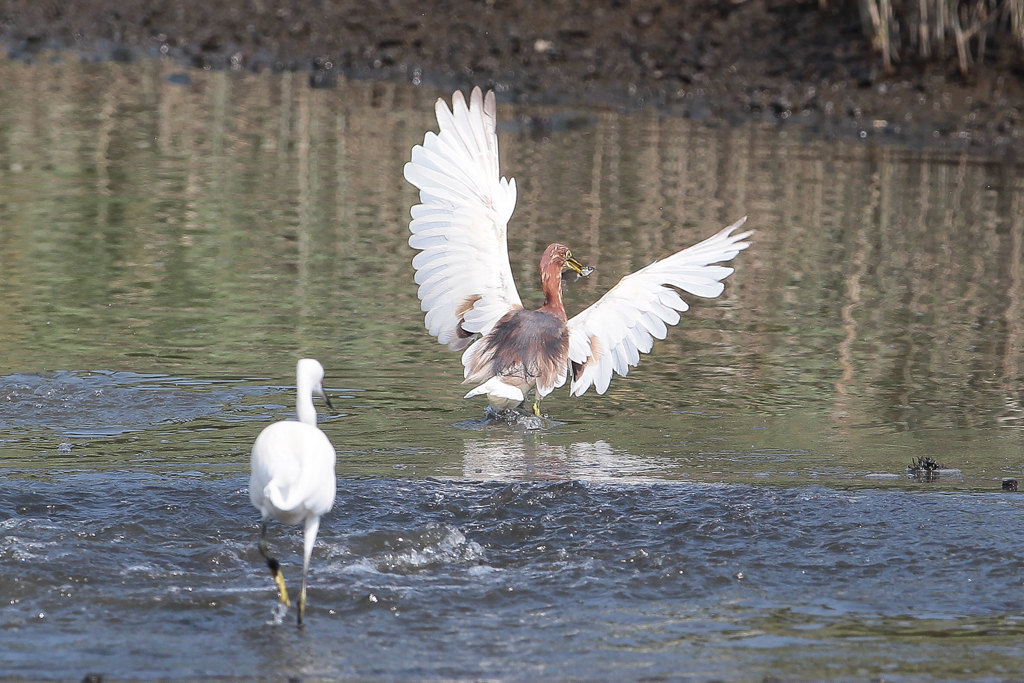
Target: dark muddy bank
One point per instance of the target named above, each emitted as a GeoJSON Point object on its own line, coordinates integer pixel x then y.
{"type": "Point", "coordinates": [785, 62]}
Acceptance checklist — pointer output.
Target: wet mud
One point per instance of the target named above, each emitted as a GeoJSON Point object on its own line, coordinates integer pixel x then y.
{"type": "Point", "coordinates": [784, 62]}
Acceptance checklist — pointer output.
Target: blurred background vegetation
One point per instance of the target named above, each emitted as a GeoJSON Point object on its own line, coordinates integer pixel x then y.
{"type": "Point", "coordinates": [929, 29]}
{"type": "Point", "coordinates": [944, 73]}
{"type": "Point", "coordinates": [504, 35]}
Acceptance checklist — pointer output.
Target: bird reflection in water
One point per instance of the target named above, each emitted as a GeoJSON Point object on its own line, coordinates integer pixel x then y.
{"type": "Point", "coordinates": [527, 458]}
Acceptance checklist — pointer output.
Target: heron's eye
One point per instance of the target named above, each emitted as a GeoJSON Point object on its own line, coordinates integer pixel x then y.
{"type": "Point", "coordinates": [568, 254]}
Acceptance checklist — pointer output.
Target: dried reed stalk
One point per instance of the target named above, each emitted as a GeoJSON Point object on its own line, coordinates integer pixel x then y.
{"type": "Point", "coordinates": [929, 26]}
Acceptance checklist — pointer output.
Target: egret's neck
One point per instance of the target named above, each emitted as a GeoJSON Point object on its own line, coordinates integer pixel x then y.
{"type": "Point", "coordinates": [304, 403]}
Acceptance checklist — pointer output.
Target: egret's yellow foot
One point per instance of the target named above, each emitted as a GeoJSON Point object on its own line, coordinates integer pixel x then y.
{"type": "Point", "coordinates": [274, 566]}
{"type": "Point", "coordinates": [281, 589]}
{"type": "Point", "coordinates": [536, 408]}
{"type": "Point", "coordinates": [275, 571]}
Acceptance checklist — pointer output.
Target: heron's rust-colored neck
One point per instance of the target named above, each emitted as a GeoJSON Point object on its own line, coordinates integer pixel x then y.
{"type": "Point", "coordinates": [551, 265]}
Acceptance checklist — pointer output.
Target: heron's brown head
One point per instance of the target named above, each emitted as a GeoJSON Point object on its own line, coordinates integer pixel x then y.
{"type": "Point", "coordinates": [557, 258]}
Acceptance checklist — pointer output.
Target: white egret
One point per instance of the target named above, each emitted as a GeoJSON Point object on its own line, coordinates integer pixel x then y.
{"type": "Point", "coordinates": [293, 478]}
{"type": "Point", "coordinates": [470, 298]}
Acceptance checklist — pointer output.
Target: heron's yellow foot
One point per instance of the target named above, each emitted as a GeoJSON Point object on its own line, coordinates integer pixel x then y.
{"type": "Point", "coordinates": [536, 408]}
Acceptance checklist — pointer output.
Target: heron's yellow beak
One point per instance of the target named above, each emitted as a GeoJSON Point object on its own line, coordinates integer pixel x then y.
{"type": "Point", "coordinates": [577, 267]}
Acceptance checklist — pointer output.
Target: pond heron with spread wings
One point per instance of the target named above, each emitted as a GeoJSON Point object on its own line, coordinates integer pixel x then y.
{"type": "Point", "coordinates": [466, 286]}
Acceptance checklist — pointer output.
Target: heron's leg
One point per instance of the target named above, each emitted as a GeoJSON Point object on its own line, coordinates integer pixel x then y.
{"type": "Point", "coordinates": [309, 538]}
{"type": "Point", "coordinates": [274, 565]}
{"type": "Point", "coordinates": [536, 406]}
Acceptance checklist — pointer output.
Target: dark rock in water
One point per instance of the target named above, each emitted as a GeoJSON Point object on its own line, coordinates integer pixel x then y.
{"type": "Point", "coordinates": [927, 469]}
{"type": "Point", "coordinates": [923, 465]}
{"type": "Point", "coordinates": [324, 74]}
{"type": "Point", "coordinates": [323, 78]}
{"type": "Point", "coordinates": [1009, 484]}
{"type": "Point", "coordinates": [93, 678]}
{"type": "Point", "coordinates": [122, 54]}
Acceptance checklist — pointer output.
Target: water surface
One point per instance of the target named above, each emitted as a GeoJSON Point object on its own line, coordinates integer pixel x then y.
{"type": "Point", "coordinates": [737, 507]}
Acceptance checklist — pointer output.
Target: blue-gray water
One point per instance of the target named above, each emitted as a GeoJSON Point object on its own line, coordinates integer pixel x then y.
{"type": "Point", "coordinates": [737, 508]}
{"type": "Point", "coordinates": [152, 576]}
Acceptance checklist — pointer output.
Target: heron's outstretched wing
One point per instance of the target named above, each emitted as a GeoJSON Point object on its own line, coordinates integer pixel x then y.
{"type": "Point", "coordinates": [613, 332]}
{"type": "Point", "coordinates": [463, 271]}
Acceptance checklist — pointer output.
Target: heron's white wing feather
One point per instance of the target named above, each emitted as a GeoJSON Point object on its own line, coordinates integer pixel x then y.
{"type": "Point", "coordinates": [496, 387]}
{"type": "Point", "coordinates": [459, 226]}
{"type": "Point", "coordinates": [610, 335]}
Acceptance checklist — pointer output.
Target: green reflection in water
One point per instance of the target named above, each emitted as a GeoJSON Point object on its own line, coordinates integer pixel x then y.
{"type": "Point", "coordinates": [223, 228]}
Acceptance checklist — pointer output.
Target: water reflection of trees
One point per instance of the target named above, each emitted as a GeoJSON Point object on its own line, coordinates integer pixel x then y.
{"type": "Point", "coordinates": [212, 215]}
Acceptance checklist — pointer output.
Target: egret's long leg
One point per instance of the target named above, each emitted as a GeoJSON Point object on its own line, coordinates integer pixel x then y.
{"type": "Point", "coordinates": [274, 565]}
{"type": "Point", "coordinates": [309, 538]}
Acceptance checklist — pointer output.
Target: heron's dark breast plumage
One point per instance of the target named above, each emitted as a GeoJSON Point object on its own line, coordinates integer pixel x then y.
{"type": "Point", "coordinates": [525, 344]}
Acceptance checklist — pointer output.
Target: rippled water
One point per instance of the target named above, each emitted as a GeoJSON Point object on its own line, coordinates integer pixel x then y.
{"type": "Point", "coordinates": [158, 575]}
{"type": "Point", "coordinates": [737, 507]}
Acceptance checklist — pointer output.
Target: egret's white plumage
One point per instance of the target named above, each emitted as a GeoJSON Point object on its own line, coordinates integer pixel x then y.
{"type": "Point", "coordinates": [467, 289]}
{"type": "Point", "coordinates": [293, 478]}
